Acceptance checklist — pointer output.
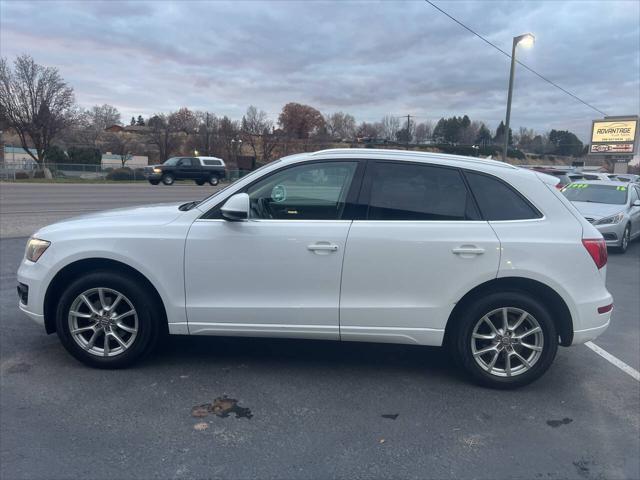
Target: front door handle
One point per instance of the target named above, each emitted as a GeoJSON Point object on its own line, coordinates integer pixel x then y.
{"type": "Point", "coordinates": [323, 247]}
{"type": "Point", "coordinates": [468, 250]}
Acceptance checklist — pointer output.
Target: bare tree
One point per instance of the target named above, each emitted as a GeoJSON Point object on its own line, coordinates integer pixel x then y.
{"type": "Point", "coordinates": [369, 130]}
{"type": "Point", "coordinates": [254, 127]}
{"type": "Point", "coordinates": [229, 135]}
{"type": "Point", "coordinates": [390, 125]}
{"type": "Point", "coordinates": [93, 122]}
{"type": "Point", "coordinates": [36, 102]}
{"type": "Point", "coordinates": [341, 125]}
{"type": "Point", "coordinates": [206, 133]}
{"type": "Point", "coordinates": [122, 145]}
{"type": "Point", "coordinates": [163, 134]}
{"type": "Point", "coordinates": [424, 131]}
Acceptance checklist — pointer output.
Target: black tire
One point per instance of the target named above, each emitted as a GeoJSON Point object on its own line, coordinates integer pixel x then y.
{"type": "Point", "coordinates": [154, 182]}
{"type": "Point", "coordinates": [168, 179]}
{"type": "Point", "coordinates": [149, 318]}
{"type": "Point", "coordinates": [214, 180]}
{"type": "Point", "coordinates": [461, 337]}
{"type": "Point", "coordinates": [625, 240]}
{"type": "Point", "coordinates": [200, 182]}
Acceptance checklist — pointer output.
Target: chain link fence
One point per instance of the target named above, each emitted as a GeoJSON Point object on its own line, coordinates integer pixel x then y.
{"type": "Point", "coordinates": [80, 173]}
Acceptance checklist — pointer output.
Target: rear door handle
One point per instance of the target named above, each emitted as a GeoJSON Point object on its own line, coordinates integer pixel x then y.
{"type": "Point", "coordinates": [468, 250]}
{"type": "Point", "coordinates": [323, 247]}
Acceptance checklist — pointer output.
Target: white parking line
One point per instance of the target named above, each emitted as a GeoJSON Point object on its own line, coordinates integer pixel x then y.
{"type": "Point", "coordinates": [615, 361]}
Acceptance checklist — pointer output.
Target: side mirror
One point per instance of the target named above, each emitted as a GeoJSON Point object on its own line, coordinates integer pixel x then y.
{"type": "Point", "coordinates": [236, 208]}
{"type": "Point", "coordinates": [636, 203]}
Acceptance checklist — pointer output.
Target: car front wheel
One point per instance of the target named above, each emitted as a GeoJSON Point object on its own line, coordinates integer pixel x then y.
{"type": "Point", "coordinates": [505, 340]}
{"type": "Point", "coordinates": [214, 180]}
{"type": "Point", "coordinates": [624, 241]}
{"type": "Point", "coordinates": [168, 179]}
{"type": "Point", "coordinates": [107, 320]}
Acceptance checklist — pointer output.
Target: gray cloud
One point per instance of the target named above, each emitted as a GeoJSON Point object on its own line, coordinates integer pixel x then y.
{"type": "Point", "coordinates": [367, 58]}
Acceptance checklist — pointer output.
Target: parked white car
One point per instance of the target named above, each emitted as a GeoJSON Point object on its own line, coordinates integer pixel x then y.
{"type": "Point", "coordinates": [369, 245]}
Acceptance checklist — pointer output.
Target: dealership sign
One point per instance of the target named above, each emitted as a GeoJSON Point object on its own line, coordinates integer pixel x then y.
{"type": "Point", "coordinates": [614, 136]}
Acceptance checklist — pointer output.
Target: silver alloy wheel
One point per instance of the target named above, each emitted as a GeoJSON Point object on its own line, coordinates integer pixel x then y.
{"type": "Point", "coordinates": [103, 322]}
{"type": "Point", "coordinates": [507, 342]}
{"type": "Point", "coordinates": [625, 238]}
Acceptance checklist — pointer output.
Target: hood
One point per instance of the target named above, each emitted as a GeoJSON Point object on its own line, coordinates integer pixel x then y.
{"type": "Point", "coordinates": [130, 217]}
{"type": "Point", "coordinates": [597, 210]}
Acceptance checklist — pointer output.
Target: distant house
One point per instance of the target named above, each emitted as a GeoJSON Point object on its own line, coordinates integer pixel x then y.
{"type": "Point", "coordinates": [18, 158]}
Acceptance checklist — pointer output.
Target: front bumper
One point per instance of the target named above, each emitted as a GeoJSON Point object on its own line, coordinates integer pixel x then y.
{"type": "Point", "coordinates": [33, 277]}
{"type": "Point", "coordinates": [612, 233]}
{"type": "Point", "coordinates": [152, 176]}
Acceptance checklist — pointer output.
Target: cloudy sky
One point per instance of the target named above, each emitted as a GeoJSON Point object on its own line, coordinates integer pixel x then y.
{"type": "Point", "coordinates": [365, 58]}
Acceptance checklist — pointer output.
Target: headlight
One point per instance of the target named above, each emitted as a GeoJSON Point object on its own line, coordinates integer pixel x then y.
{"type": "Point", "coordinates": [35, 249]}
{"type": "Point", "coordinates": [157, 170]}
{"type": "Point", "coordinates": [613, 219]}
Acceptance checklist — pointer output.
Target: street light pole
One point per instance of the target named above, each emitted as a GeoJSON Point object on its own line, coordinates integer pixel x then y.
{"type": "Point", "coordinates": [526, 40]}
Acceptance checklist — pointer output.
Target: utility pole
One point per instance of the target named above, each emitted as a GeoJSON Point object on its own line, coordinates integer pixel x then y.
{"type": "Point", "coordinates": [408, 129]}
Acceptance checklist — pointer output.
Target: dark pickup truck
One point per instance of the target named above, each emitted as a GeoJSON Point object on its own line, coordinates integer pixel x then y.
{"type": "Point", "coordinates": [199, 169]}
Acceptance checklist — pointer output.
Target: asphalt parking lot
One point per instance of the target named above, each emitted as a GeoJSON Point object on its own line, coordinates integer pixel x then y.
{"type": "Point", "coordinates": [317, 409]}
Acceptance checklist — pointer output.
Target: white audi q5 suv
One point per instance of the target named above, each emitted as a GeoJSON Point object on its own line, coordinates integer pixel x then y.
{"type": "Point", "coordinates": [479, 256]}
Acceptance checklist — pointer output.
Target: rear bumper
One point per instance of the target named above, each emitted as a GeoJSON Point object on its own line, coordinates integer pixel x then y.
{"type": "Point", "coordinates": [582, 336]}
{"type": "Point", "coordinates": [590, 323]}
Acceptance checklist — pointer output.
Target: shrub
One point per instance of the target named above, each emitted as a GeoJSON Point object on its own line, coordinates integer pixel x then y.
{"type": "Point", "coordinates": [38, 174]}
{"type": "Point", "coordinates": [22, 175]}
{"type": "Point", "coordinates": [121, 174]}
{"type": "Point", "coordinates": [126, 173]}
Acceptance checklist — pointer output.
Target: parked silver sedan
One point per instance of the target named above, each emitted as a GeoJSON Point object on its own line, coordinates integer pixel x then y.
{"type": "Point", "coordinates": [612, 207]}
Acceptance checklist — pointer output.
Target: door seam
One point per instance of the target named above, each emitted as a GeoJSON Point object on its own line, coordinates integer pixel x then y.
{"type": "Point", "coordinates": [344, 255]}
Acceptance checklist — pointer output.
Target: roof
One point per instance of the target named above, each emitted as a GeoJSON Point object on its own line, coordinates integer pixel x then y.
{"type": "Point", "coordinates": [19, 150]}
{"type": "Point", "coordinates": [382, 153]}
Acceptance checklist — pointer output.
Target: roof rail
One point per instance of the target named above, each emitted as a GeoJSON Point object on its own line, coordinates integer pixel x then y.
{"type": "Point", "coordinates": [411, 153]}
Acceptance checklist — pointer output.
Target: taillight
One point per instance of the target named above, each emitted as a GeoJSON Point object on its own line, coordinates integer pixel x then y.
{"type": "Point", "coordinates": [597, 248]}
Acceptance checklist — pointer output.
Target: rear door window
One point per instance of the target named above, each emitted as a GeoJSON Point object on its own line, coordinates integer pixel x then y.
{"type": "Point", "coordinates": [498, 201]}
{"type": "Point", "coordinates": [404, 191]}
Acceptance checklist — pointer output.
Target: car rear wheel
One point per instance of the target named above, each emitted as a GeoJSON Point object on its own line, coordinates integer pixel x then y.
{"type": "Point", "coordinates": [214, 180]}
{"type": "Point", "coordinates": [107, 320]}
{"type": "Point", "coordinates": [168, 179]}
{"type": "Point", "coordinates": [505, 340]}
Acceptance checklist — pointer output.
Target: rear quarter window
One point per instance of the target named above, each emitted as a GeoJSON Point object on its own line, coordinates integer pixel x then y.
{"type": "Point", "coordinates": [499, 201]}
{"type": "Point", "coordinates": [212, 163]}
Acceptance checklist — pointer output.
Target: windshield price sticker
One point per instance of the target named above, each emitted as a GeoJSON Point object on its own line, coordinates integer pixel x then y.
{"type": "Point", "coordinates": [578, 185]}
{"type": "Point", "coordinates": [622, 189]}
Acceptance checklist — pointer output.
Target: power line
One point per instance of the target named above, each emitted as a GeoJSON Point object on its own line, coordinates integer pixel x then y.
{"type": "Point", "coordinates": [517, 61]}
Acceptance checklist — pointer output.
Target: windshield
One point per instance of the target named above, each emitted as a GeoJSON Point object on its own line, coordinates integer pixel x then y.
{"type": "Point", "coordinates": [172, 161]}
{"type": "Point", "coordinates": [589, 192]}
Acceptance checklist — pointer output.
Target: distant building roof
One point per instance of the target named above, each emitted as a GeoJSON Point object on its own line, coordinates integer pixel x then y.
{"type": "Point", "coordinates": [9, 149]}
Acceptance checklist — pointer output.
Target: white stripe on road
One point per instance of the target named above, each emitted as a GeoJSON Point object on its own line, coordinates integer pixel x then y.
{"type": "Point", "coordinates": [615, 361]}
